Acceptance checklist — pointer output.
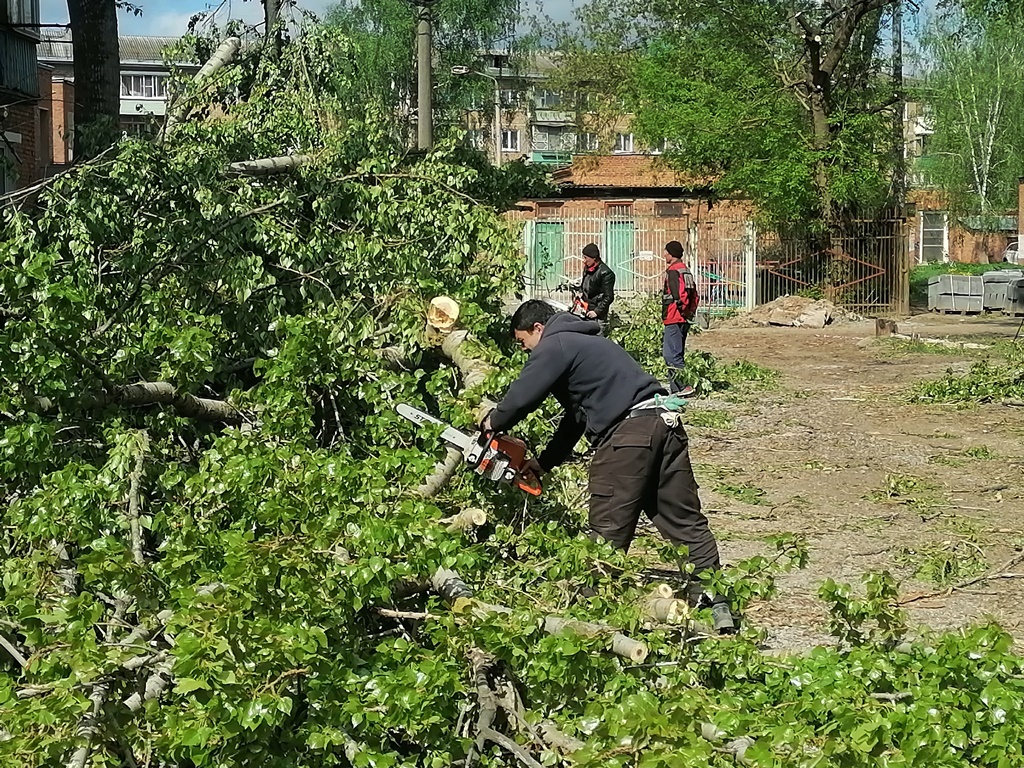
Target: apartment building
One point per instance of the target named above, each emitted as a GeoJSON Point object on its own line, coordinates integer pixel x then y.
{"type": "Point", "coordinates": [533, 120]}
{"type": "Point", "coordinates": [144, 77]}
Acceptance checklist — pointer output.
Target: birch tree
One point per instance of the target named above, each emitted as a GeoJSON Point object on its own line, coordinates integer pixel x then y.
{"type": "Point", "coordinates": [974, 88]}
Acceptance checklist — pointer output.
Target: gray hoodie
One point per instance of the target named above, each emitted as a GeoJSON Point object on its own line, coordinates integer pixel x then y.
{"type": "Point", "coordinates": [594, 379]}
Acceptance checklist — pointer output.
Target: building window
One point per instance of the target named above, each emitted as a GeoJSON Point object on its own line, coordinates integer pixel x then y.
{"type": "Point", "coordinates": [619, 210]}
{"type": "Point", "coordinates": [660, 147]}
{"type": "Point", "coordinates": [144, 86]}
{"type": "Point", "coordinates": [475, 138]}
{"type": "Point", "coordinates": [510, 141]}
{"type": "Point", "coordinates": [136, 127]}
{"type": "Point", "coordinates": [499, 61]}
{"type": "Point", "coordinates": [588, 142]}
{"type": "Point", "coordinates": [510, 98]}
{"type": "Point", "coordinates": [553, 139]}
{"type": "Point", "coordinates": [624, 142]}
{"type": "Point", "coordinates": [23, 12]}
{"type": "Point", "coordinates": [8, 173]}
{"type": "Point", "coordinates": [549, 210]}
{"type": "Point", "coordinates": [668, 210]}
{"type": "Point", "coordinates": [933, 242]}
{"type": "Point", "coordinates": [545, 99]}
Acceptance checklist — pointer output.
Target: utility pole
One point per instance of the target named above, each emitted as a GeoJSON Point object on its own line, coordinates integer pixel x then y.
{"type": "Point", "coordinates": [271, 16]}
{"type": "Point", "coordinates": [424, 80]}
{"type": "Point", "coordinates": [899, 171]}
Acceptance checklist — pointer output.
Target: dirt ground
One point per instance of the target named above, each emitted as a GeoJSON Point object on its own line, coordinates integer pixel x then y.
{"type": "Point", "coordinates": [826, 439]}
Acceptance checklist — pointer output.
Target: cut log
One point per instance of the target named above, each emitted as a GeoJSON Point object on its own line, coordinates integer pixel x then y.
{"type": "Point", "coordinates": [267, 166]}
{"type": "Point", "coordinates": [473, 372]}
{"type": "Point", "coordinates": [223, 56]}
{"type": "Point", "coordinates": [623, 646]}
{"type": "Point", "coordinates": [225, 52]}
{"type": "Point", "coordinates": [466, 520]}
{"type": "Point", "coordinates": [665, 610]}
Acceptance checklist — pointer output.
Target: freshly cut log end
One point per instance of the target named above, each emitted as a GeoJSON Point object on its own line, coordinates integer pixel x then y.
{"type": "Point", "coordinates": [626, 647]}
{"type": "Point", "coordinates": [664, 590]}
{"type": "Point", "coordinates": [466, 520]}
{"type": "Point", "coordinates": [667, 610]}
{"type": "Point", "coordinates": [449, 585]}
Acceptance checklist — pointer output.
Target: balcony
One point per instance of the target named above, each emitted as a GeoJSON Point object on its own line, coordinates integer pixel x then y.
{"type": "Point", "coordinates": [553, 116]}
{"type": "Point", "coordinates": [545, 157]}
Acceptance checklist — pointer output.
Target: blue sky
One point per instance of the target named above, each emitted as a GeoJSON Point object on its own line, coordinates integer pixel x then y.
{"type": "Point", "coordinates": [171, 17]}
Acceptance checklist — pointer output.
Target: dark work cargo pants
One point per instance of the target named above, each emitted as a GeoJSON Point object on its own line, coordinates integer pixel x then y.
{"type": "Point", "coordinates": [644, 466]}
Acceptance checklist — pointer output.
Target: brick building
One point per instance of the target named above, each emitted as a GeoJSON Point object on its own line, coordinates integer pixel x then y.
{"type": "Point", "coordinates": [24, 96]}
{"type": "Point", "coordinates": [631, 205]}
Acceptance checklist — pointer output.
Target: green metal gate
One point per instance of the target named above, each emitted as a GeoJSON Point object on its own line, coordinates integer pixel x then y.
{"type": "Point", "coordinates": [548, 257]}
{"type": "Point", "coordinates": [619, 251]}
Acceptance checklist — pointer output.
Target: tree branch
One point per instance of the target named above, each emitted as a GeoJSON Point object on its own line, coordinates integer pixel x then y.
{"type": "Point", "coordinates": [8, 646]}
{"type": "Point", "coordinates": [135, 501]}
{"type": "Point", "coordinates": [89, 726]}
{"type": "Point", "coordinates": [845, 30]}
{"type": "Point", "coordinates": [267, 166]}
{"type": "Point", "coordinates": [157, 393]}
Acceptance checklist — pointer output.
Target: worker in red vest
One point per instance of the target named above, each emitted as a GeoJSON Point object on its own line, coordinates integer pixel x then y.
{"type": "Point", "coordinates": [679, 302]}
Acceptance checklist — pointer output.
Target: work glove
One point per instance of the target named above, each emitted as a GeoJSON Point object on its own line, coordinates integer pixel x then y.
{"type": "Point", "coordinates": [485, 422]}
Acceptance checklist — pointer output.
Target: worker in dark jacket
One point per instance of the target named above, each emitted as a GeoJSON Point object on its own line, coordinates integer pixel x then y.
{"type": "Point", "coordinates": [597, 285]}
{"type": "Point", "coordinates": [642, 462]}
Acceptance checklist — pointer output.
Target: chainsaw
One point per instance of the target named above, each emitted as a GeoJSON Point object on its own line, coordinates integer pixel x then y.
{"type": "Point", "coordinates": [493, 455]}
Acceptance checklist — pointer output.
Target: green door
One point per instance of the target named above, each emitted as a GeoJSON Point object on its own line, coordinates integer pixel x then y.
{"type": "Point", "coordinates": [548, 255]}
{"type": "Point", "coordinates": [619, 249]}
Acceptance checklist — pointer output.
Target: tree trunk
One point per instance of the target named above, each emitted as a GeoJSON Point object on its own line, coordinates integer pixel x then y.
{"type": "Point", "coordinates": [97, 68]}
{"type": "Point", "coordinates": [271, 19]}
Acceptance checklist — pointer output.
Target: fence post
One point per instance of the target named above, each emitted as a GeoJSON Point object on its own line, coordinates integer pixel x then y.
{"type": "Point", "coordinates": [750, 264]}
{"type": "Point", "coordinates": [530, 266]}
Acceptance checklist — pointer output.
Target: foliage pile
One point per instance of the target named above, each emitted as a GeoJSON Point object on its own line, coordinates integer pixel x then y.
{"type": "Point", "coordinates": [987, 381]}
{"type": "Point", "coordinates": [209, 553]}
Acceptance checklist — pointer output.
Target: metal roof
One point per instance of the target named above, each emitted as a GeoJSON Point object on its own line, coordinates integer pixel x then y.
{"type": "Point", "coordinates": [55, 46]}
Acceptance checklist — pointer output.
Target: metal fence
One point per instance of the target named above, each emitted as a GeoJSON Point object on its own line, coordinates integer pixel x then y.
{"type": "Point", "coordinates": [864, 266]}
{"type": "Point", "coordinates": [632, 245]}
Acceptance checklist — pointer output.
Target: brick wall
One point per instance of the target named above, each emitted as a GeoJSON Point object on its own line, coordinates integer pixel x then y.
{"type": "Point", "coordinates": [27, 130]}
{"type": "Point", "coordinates": [21, 132]}
{"type": "Point", "coordinates": [63, 123]}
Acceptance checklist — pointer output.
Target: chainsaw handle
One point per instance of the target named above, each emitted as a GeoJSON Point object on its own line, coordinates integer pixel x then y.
{"type": "Point", "coordinates": [530, 483]}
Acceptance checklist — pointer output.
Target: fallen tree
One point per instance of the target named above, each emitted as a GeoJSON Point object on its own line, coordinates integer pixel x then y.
{"type": "Point", "coordinates": [211, 549]}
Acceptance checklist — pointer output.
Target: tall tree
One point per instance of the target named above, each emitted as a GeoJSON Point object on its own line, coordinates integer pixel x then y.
{"type": "Point", "coordinates": [382, 33]}
{"type": "Point", "coordinates": [974, 87]}
{"type": "Point", "coordinates": [97, 74]}
{"type": "Point", "coordinates": [782, 100]}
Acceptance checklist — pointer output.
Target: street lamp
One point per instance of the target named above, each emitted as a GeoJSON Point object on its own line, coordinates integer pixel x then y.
{"type": "Point", "coordinates": [464, 70]}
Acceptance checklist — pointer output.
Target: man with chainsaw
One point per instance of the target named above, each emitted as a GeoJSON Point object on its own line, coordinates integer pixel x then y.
{"type": "Point", "coordinates": [679, 302]}
{"type": "Point", "coordinates": [597, 284]}
{"type": "Point", "coordinates": [642, 462]}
